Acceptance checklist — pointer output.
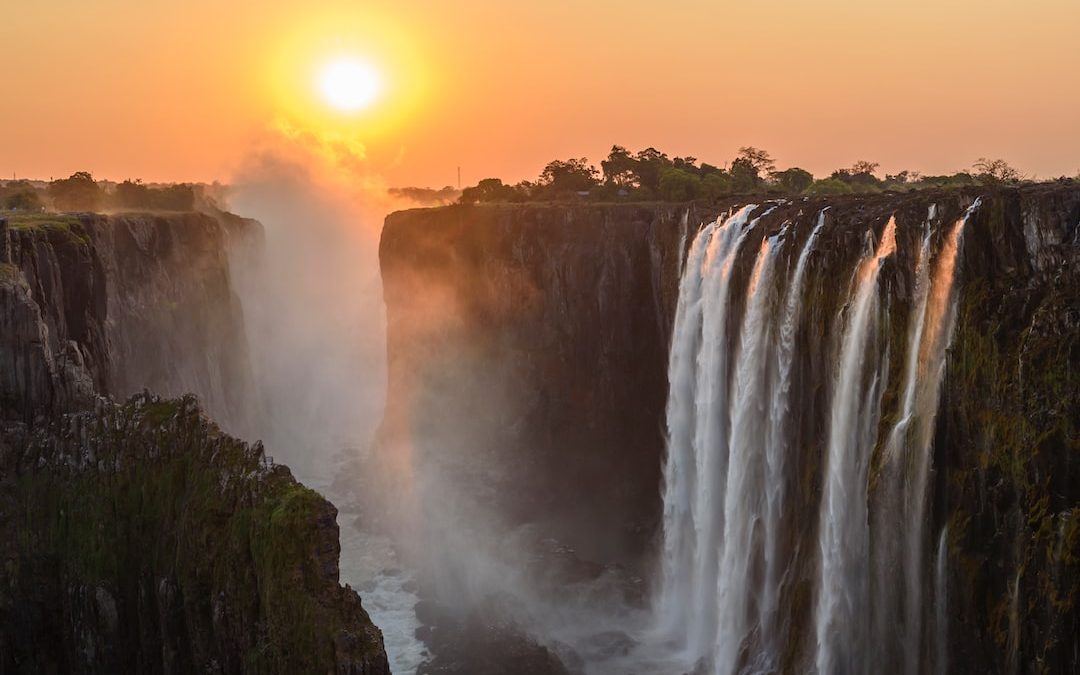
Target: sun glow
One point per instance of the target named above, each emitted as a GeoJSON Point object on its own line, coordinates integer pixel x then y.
{"type": "Point", "coordinates": [346, 74]}
{"type": "Point", "coordinates": [349, 84]}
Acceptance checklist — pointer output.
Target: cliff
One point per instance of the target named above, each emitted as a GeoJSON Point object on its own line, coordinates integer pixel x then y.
{"type": "Point", "coordinates": [1008, 439]}
{"type": "Point", "coordinates": [546, 328]}
{"type": "Point", "coordinates": [540, 335]}
{"type": "Point", "coordinates": [115, 304]}
{"type": "Point", "coordinates": [139, 537]}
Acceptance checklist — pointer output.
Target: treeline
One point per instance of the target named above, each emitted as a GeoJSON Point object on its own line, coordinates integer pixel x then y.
{"type": "Point", "coordinates": [651, 175]}
{"type": "Point", "coordinates": [80, 192]}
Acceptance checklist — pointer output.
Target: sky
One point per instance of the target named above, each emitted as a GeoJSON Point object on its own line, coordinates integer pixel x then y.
{"type": "Point", "coordinates": [190, 90]}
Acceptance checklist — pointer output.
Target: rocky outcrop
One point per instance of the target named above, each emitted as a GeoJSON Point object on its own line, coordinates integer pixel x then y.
{"type": "Point", "coordinates": [140, 537]}
{"type": "Point", "coordinates": [52, 304]}
{"type": "Point", "coordinates": [539, 335]}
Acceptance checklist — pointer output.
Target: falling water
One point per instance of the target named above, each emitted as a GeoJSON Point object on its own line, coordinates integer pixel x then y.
{"type": "Point", "coordinates": [733, 453]}
{"type": "Point", "coordinates": [844, 533]}
{"type": "Point", "coordinates": [744, 495]}
{"type": "Point", "coordinates": [777, 449]}
{"type": "Point", "coordinates": [941, 602]}
{"type": "Point", "coordinates": [689, 514]}
{"type": "Point", "coordinates": [908, 453]}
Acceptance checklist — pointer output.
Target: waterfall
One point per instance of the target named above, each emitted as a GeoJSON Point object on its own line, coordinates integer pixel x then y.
{"type": "Point", "coordinates": [941, 603]}
{"type": "Point", "coordinates": [688, 606]}
{"type": "Point", "coordinates": [843, 539]}
{"type": "Point", "coordinates": [776, 445]}
{"type": "Point", "coordinates": [744, 495]}
{"type": "Point", "coordinates": [736, 595]}
{"type": "Point", "coordinates": [906, 469]}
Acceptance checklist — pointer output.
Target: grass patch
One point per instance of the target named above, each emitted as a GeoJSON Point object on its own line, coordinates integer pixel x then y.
{"type": "Point", "coordinates": [49, 222]}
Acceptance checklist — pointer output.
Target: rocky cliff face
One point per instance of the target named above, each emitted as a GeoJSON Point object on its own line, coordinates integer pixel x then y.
{"type": "Point", "coordinates": [125, 302]}
{"type": "Point", "coordinates": [545, 329]}
{"type": "Point", "coordinates": [1008, 439]}
{"type": "Point", "coordinates": [538, 336]}
{"type": "Point", "coordinates": [139, 537]}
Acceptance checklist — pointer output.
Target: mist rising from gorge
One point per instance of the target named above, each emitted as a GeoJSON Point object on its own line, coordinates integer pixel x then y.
{"type": "Point", "coordinates": [312, 303]}
{"type": "Point", "coordinates": [314, 316]}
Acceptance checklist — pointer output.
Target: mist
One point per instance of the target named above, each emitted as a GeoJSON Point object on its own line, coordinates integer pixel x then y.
{"type": "Point", "coordinates": [433, 533]}
{"type": "Point", "coordinates": [313, 310]}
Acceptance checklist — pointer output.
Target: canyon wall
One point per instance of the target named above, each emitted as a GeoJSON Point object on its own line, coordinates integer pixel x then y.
{"type": "Point", "coordinates": [139, 536]}
{"type": "Point", "coordinates": [117, 304]}
{"type": "Point", "coordinates": [535, 339]}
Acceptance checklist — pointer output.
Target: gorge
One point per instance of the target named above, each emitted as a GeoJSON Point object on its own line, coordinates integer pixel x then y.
{"type": "Point", "coordinates": [869, 457]}
{"type": "Point", "coordinates": [754, 435]}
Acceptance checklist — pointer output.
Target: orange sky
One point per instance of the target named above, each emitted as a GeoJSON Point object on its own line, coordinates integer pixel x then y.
{"type": "Point", "coordinates": [184, 90]}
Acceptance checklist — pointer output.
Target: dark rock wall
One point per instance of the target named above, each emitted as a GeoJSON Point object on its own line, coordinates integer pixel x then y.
{"type": "Point", "coordinates": [126, 302]}
{"type": "Point", "coordinates": [1008, 439]}
{"type": "Point", "coordinates": [541, 327]}
{"type": "Point", "coordinates": [174, 323]}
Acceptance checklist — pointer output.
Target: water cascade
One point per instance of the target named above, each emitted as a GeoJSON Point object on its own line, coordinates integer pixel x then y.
{"type": "Point", "coordinates": [843, 538]}
{"type": "Point", "coordinates": [752, 581]}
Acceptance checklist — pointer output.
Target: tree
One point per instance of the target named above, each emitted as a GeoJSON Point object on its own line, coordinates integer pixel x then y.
{"type": "Point", "coordinates": [677, 185]}
{"type": "Point", "coordinates": [688, 164]}
{"type": "Point", "coordinates": [426, 196]}
{"type": "Point", "coordinates": [572, 175]}
{"type": "Point", "coordinates": [793, 180]}
{"type": "Point", "coordinates": [490, 190]}
{"type": "Point", "coordinates": [620, 168]}
{"type": "Point", "coordinates": [744, 176]}
{"type": "Point", "coordinates": [715, 184]}
{"type": "Point", "coordinates": [650, 163]}
{"type": "Point", "coordinates": [132, 194]}
{"type": "Point", "coordinates": [864, 181]}
{"type": "Point", "coordinates": [961, 179]}
{"type": "Point", "coordinates": [78, 192]}
{"type": "Point", "coordinates": [996, 172]}
{"type": "Point", "coordinates": [761, 160]}
{"type": "Point", "coordinates": [829, 186]}
{"type": "Point", "coordinates": [23, 200]}
{"type": "Point", "coordinates": [863, 166]}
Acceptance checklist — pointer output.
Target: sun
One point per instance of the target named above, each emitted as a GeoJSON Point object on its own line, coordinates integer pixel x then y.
{"type": "Point", "coordinates": [349, 84]}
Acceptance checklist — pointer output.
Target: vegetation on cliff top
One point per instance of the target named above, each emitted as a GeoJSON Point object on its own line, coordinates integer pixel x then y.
{"type": "Point", "coordinates": [80, 192]}
{"type": "Point", "coordinates": [650, 174]}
